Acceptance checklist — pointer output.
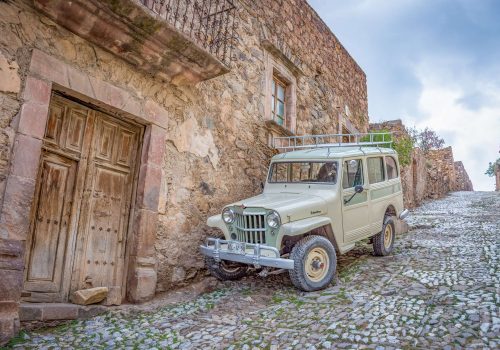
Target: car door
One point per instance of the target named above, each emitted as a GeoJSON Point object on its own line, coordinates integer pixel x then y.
{"type": "Point", "coordinates": [355, 206]}
{"type": "Point", "coordinates": [380, 192]}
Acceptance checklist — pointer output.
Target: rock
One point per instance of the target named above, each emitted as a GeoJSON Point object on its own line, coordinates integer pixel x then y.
{"type": "Point", "coordinates": [9, 77]}
{"type": "Point", "coordinates": [89, 296]}
{"type": "Point", "coordinates": [485, 327]}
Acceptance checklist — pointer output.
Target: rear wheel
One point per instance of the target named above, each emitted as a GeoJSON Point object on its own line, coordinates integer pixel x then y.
{"type": "Point", "coordinates": [315, 263]}
{"type": "Point", "coordinates": [383, 242]}
{"type": "Point", "coordinates": [226, 270]}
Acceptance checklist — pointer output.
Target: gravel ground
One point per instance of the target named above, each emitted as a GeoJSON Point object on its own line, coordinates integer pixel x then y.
{"type": "Point", "coordinates": [440, 289]}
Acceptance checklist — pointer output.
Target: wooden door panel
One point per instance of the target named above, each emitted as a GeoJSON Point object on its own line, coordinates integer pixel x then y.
{"type": "Point", "coordinates": [125, 147]}
{"type": "Point", "coordinates": [105, 140]}
{"type": "Point", "coordinates": [76, 129]}
{"type": "Point", "coordinates": [50, 224]}
{"type": "Point", "coordinates": [60, 181]}
{"type": "Point", "coordinates": [106, 223]}
{"type": "Point", "coordinates": [54, 122]}
{"type": "Point", "coordinates": [106, 208]}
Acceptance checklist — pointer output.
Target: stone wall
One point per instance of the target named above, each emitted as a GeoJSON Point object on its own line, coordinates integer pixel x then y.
{"type": "Point", "coordinates": [414, 179]}
{"type": "Point", "coordinates": [462, 180]}
{"type": "Point", "coordinates": [216, 150]}
{"type": "Point", "coordinates": [224, 135]}
{"type": "Point", "coordinates": [441, 172]}
{"type": "Point", "coordinates": [331, 83]}
{"type": "Point", "coordinates": [11, 275]}
{"type": "Point", "coordinates": [428, 175]}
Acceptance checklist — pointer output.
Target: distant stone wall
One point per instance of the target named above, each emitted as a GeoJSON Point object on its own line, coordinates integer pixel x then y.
{"type": "Point", "coordinates": [441, 172]}
{"type": "Point", "coordinates": [429, 175]}
{"type": "Point", "coordinates": [414, 179]}
{"type": "Point", "coordinates": [395, 126]}
{"type": "Point", "coordinates": [462, 180]}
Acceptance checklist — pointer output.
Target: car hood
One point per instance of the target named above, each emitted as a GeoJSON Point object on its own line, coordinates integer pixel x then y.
{"type": "Point", "coordinates": [290, 206]}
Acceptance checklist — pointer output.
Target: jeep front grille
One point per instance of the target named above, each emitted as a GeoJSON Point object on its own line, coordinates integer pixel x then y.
{"type": "Point", "coordinates": [251, 228]}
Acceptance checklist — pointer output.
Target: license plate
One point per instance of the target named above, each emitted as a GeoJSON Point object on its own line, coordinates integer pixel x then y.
{"type": "Point", "coordinates": [236, 248]}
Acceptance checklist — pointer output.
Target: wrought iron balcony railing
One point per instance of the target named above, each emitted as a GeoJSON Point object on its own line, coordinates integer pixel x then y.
{"type": "Point", "coordinates": [209, 23]}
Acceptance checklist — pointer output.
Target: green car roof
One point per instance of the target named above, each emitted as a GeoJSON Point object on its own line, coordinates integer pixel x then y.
{"type": "Point", "coordinates": [333, 152]}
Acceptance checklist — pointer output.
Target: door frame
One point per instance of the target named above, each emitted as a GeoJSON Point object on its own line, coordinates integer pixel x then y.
{"type": "Point", "coordinates": [47, 74]}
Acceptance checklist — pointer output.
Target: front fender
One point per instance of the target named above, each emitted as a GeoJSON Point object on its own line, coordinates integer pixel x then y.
{"type": "Point", "coordinates": [300, 227]}
{"type": "Point", "coordinates": [217, 222]}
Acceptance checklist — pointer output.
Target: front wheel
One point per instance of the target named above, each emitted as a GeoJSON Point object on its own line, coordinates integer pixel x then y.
{"type": "Point", "coordinates": [315, 263]}
{"type": "Point", "coordinates": [226, 270]}
{"type": "Point", "coordinates": [383, 242]}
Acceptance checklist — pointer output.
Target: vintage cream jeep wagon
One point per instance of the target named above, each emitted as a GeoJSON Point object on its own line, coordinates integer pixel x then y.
{"type": "Point", "coordinates": [318, 201]}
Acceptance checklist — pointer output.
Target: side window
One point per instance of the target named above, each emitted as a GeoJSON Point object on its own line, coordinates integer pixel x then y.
{"type": "Point", "coordinates": [352, 175]}
{"type": "Point", "coordinates": [375, 169]}
{"type": "Point", "coordinates": [392, 168]}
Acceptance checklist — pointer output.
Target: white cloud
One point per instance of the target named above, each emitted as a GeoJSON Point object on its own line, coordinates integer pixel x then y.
{"type": "Point", "coordinates": [474, 133]}
{"type": "Point", "coordinates": [430, 63]}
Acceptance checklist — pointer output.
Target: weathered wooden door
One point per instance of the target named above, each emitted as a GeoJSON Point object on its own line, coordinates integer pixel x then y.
{"type": "Point", "coordinates": [65, 147]}
{"type": "Point", "coordinates": [106, 207]}
{"type": "Point", "coordinates": [83, 202]}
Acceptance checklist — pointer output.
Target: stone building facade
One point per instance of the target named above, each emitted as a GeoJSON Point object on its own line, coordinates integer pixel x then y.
{"type": "Point", "coordinates": [166, 130]}
{"type": "Point", "coordinates": [428, 175]}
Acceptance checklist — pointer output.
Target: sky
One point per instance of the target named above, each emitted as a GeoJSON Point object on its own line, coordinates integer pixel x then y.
{"type": "Point", "coordinates": [431, 63]}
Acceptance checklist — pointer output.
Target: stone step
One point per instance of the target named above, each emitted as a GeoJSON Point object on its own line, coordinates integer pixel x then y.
{"type": "Point", "coordinates": [57, 311]}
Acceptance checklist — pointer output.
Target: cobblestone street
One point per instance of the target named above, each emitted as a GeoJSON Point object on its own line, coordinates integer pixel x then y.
{"type": "Point", "coordinates": [440, 289]}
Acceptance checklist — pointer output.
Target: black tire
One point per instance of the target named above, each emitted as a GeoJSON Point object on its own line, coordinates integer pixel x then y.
{"type": "Point", "coordinates": [225, 270]}
{"type": "Point", "coordinates": [300, 254]}
{"type": "Point", "coordinates": [381, 245]}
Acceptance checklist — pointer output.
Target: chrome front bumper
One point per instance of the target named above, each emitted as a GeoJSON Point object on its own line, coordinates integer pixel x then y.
{"type": "Point", "coordinates": [254, 254]}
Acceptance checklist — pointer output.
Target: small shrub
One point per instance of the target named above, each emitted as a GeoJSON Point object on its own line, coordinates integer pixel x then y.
{"type": "Point", "coordinates": [426, 139]}
{"type": "Point", "coordinates": [402, 145]}
{"type": "Point", "coordinates": [491, 168]}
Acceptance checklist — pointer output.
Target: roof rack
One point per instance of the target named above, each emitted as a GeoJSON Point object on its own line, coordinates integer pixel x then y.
{"type": "Point", "coordinates": [294, 143]}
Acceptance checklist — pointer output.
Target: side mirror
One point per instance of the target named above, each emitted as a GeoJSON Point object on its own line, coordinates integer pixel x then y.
{"type": "Point", "coordinates": [357, 189]}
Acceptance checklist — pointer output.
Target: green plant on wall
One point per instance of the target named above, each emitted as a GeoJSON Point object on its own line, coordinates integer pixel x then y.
{"type": "Point", "coordinates": [403, 145]}
{"type": "Point", "coordinates": [491, 168]}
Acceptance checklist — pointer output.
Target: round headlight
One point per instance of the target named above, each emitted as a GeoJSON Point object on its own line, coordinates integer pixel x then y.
{"type": "Point", "coordinates": [273, 219]}
{"type": "Point", "coordinates": [228, 215]}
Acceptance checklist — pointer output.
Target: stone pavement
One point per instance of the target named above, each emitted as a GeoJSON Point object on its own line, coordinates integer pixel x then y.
{"type": "Point", "coordinates": [439, 290]}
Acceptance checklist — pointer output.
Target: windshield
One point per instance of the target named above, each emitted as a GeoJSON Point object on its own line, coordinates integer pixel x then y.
{"type": "Point", "coordinates": [294, 172]}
